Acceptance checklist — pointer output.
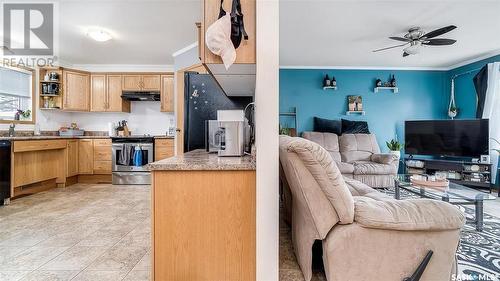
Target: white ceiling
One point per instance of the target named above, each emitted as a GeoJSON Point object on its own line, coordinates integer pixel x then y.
{"type": "Point", "coordinates": [145, 32]}
{"type": "Point", "coordinates": [318, 33]}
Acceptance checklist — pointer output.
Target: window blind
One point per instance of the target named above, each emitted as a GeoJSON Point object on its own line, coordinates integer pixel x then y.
{"type": "Point", "coordinates": [15, 83]}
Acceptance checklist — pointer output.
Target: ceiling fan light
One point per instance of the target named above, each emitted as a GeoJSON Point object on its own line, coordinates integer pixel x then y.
{"type": "Point", "coordinates": [413, 49]}
{"type": "Point", "coordinates": [99, 35]}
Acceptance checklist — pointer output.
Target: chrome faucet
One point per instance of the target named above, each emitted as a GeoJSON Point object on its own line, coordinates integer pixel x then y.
{"type": "Point", "coordinates": [12, 132]}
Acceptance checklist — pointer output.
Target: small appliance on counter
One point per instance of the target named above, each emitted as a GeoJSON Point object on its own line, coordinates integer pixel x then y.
{"type": "Point", "coordinates": [226, 135]}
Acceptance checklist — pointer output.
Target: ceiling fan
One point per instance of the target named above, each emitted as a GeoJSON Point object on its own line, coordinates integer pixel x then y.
{"type": "Point", "coordinates": [416, 37]}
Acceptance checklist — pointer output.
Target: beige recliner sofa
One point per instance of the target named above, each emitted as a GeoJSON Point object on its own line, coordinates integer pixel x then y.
{"type": "Point", "coordinates": [365, 234]}
{"type": "Point", "coordinates": [358, 156]}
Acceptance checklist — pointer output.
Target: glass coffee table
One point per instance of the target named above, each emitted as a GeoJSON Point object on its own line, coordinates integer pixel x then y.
{"type": "Point", "coordinates": [456, 194]}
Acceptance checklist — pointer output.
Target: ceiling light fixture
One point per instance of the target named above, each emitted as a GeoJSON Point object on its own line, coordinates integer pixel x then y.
{"type": "Point", "coordinates": [99, 35]}
{"type": "Point", "coordinates": [414, 48]}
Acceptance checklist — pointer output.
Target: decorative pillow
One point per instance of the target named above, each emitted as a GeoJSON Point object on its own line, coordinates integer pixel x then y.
{"type": "Point", "coordinates": [354, 127]}
{"type": "Point", "coordinates": [327, 126]}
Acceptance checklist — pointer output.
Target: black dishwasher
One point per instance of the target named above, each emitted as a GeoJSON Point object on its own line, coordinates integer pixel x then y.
{"type": "Point", "coordinates": [4, 171]}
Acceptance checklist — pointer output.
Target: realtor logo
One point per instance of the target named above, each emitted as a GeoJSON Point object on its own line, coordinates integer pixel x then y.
{"type": "Point", "coordinates": [28, 29]}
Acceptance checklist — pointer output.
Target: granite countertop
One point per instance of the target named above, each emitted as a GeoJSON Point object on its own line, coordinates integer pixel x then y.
{"type": "Point", "coordinates": [202, 160]}
{"type": "Point", "coordinates": [52, 137]}
{"type": "Point", "coordinates": [20, 138]}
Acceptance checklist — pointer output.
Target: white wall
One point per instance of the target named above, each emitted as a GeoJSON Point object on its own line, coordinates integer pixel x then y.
{"type": "Point", "coordinates": [266, 115]}
{"type": "Point", "coordinates": [145, 118]}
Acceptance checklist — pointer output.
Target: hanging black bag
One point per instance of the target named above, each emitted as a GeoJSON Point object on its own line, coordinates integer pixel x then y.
{"type": "Point", "coordinates": [237, 24]}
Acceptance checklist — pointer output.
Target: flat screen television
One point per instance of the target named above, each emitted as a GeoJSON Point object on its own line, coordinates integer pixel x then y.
{"type": "Point", "coordinates": [447, 138]}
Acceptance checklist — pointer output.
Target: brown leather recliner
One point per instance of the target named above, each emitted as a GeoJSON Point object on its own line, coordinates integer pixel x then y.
{"type": "Point", "coordinates": [366, 235]}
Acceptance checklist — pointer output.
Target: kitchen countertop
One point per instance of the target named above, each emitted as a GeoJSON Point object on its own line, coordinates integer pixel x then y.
{"type": "Point", "coordinates": [202, 160]}
{"type": "Point", "coordinates": [21, 138]}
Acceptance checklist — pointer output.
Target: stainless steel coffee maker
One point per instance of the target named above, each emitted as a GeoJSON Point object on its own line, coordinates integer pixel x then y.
{"type": "Point", "coordinates": [226, 136]}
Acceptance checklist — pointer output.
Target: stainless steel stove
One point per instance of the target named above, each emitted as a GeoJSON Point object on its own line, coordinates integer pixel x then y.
{"type": "Point", "coordinates": [129, 159]}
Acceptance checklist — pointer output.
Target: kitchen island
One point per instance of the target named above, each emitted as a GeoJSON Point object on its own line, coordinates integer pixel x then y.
{"type": "Point", "coordinates": [203, 217]}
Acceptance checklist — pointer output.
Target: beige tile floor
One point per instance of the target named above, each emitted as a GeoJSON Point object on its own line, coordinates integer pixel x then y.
{"type": "Point", "coordinates": [83, 232]}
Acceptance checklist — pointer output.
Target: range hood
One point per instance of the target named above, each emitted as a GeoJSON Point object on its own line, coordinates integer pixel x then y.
{"type": "Point", "coordinates": [237, 81]}
{"type": "Point", "coordinates": [141, 96]}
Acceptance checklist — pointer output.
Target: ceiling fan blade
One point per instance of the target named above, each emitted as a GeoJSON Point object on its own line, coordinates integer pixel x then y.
{"type": "Point", "coordinates": [405, 54]}
{"type": "Point", "coordinates": [387, 48]}
{"type": "Point", "coordinates": [400, 39]}
{"type": "Point", "coordinates": [439, 31]}
{"type": "Point", "coordinates": [439, 42]}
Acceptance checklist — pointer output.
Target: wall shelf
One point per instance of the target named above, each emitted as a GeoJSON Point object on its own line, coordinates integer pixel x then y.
{"type": "Point", "coordinates": [354, 112]}
{"type": "Point", "coordinates": [330, 88]}
{"type": "Point", "coordinates": [49, 108]}
{"type": "Point", "coordinates": [292, 114]}
{"type": "Point", "coordinates": [394, 89]}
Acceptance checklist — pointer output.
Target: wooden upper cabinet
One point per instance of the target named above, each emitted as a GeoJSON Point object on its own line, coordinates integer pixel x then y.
{"type": "Point", "coordinates": [76, 91]}
{"type": "Point", "coordinates": [106, 92]}
{"type": "Point", "coordinates": [132, 82]}
{"type": "Point", "coordinates": [167, 93]}
{"type": "Point", "coordinates": [246, 51]}
{"type": "Point", "coordinates": [72, 158]}
{"type": "Point", "coordinates": [114, 90]}
{"type": "Point", "coordinates": [151, 82]}
{"type": "Point", "coordinates": [141, 83]}
{"type": "Point", "coordinates": [86, 156]}
{"type": "Point", "coordinates": [98, 94]}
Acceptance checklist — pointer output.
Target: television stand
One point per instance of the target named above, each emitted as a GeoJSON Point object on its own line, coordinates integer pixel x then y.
{"type": "Point", "coordinates": [471, 174]}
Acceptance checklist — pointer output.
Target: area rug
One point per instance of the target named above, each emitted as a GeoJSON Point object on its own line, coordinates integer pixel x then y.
{"type": "Point", "coordinates": [478, 253]}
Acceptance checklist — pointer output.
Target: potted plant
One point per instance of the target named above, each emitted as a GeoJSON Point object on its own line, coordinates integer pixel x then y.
{"type": "Point", "coordinates": [26, 115]}
{"type": "Point", "coordinates": [284, 130]}
{"type": "Point", "coordinates": [394, 146]}
{"type": "Point", "coordinates": [453, 111]}
{"type": "Point", "coordinates": [23, 115]}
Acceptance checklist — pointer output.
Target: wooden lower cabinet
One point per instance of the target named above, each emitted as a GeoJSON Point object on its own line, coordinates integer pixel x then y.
{"type": "Point", "coordinates": [39, 165]}
{"type": "Point", "coordinates": [203, 225]}
{"type": "Point", "coordinates": [72, 158]}
{"type": "Point", "coordinates": [164, 148]}
{"type": "Point", "coordinates": [37, 161]}
{"type": "Point", "coordinates": [102, 157]}
{"type": "Point", "coordinates": [86, 157]}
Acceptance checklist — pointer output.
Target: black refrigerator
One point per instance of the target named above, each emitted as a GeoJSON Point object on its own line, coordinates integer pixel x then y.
{"type": "Point", "coordinates": [202, 98]}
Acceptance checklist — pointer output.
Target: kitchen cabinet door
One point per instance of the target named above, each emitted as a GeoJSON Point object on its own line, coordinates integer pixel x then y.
{"type": "Point", "coordinates": [167, 93]}
{"type": "Point", "coordinates": [132, 83]}
{"type": "Point", "coordinates": [164, 148]}
{"type": "Point", "coordinates": [151, 82]}
{"type": "Point", "coordinates": [246, 52]}
{"type": "Point", "coordinates": [76, 91]}
{"type": "Point", "coordinates": [98, 95]}
{"type": "Point", "coordinates": [102, 157]}
{"type": "Point", "coordinates": [114, 90]}
{"type": "Point", "coordinates": [86, 157]}
{"type": "Point", "coordinates": [72, 158]}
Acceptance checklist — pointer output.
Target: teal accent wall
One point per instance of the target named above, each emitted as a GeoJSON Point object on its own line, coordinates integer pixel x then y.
{"type": "Point", "coordinates": [465, 92]}
{"type": "Point", "coordinates": [422, 95]}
